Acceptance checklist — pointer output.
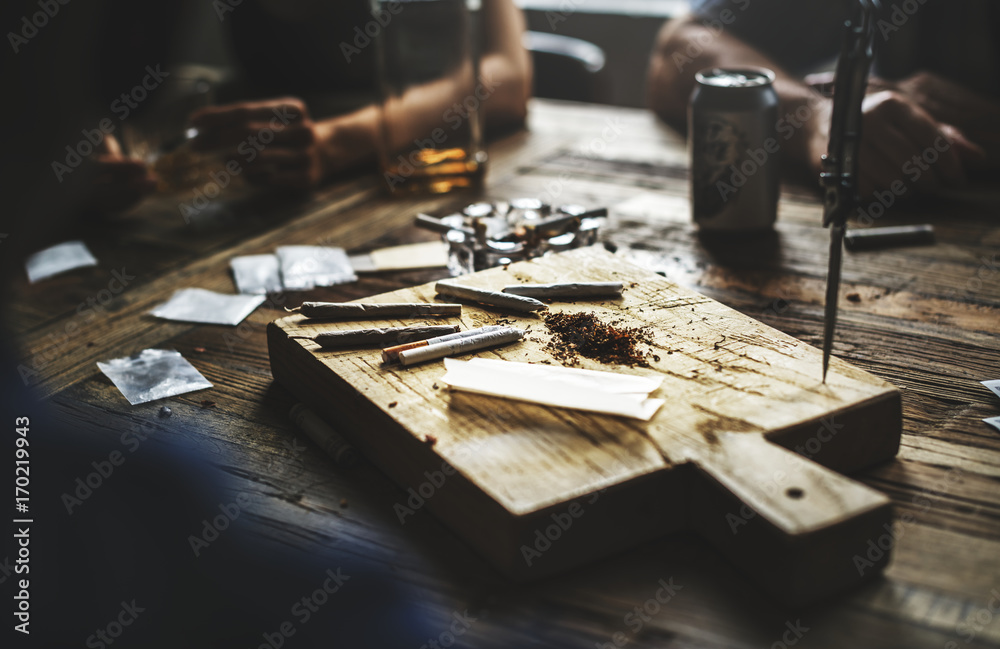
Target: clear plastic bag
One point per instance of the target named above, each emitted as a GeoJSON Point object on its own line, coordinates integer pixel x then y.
{"type": "Point", "coordinates": [153, 374]}
{"type": "Point", "coordinates": [58, 259]}
{"type": "Point", "coordinates": [209, 307]}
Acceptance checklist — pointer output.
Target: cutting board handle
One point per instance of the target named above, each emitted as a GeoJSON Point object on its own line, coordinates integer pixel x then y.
{"type": "Point", "coordinates": [799, 528]}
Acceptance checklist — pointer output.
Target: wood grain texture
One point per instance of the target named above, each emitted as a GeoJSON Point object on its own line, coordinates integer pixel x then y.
{"type": "Point", "coordinates": [728, 380]}
{"type": "Point", "coordinates": [926, 322]}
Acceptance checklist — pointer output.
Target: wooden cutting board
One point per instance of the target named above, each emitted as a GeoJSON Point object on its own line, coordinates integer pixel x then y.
{"type": "Point", "coordinates": [748, 451]}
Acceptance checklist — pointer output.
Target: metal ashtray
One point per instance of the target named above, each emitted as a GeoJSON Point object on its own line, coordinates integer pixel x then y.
{"type": "Point", "coordinates": [484, 234]}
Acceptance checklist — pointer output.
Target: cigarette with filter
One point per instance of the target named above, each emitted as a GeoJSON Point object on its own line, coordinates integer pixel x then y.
{"type": "Point", "coordinates": [377, 337]}
{"type": "Point", "coordinates": [361, 311]}
{"type": "Point", "coordinates": [572, 289]}
{"type": "Point", "coordinates": [391, 354]}
{"type": "Point", "coordinates": [490, 298]}
{"type": "Point", "coordinates": [460, 346]}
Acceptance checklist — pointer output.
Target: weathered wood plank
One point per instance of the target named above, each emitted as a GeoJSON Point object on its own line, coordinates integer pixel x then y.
{"type": "Point", "coordinates": [930, 343]}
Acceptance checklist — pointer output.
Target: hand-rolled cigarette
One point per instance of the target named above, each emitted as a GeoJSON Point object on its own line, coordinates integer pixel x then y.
{"type": "Point", "coordinates": [360, 311]}
{"type": "Point", "coordinates": [582, 212]}
{"type": "Point", "coordinates": [554, 222]}
{"type": "Point", "coordinates": [491, 298]}
{"type": "Point", "coordinates": [460, 346]}
{"type": "Point", "coordinates": [320, 432]}
{"type": "Point", "coordinates": [391, 354]}
{"type": "Point", "coordinates": [437, 225]}
{"type": "Point", "coordinates": [874, 238]}
{"type": "Point", "coordinates": [572, 289]}
{"type": "Point", "coordinates": [377, 337]}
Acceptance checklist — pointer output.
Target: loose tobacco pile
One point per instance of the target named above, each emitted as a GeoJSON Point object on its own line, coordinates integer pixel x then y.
{"type": "Point", "coordinates": [583, 334]}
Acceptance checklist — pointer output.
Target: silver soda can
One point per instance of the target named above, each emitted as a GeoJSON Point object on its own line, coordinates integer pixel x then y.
{"type": "Point", "coordinates": [733, 144]}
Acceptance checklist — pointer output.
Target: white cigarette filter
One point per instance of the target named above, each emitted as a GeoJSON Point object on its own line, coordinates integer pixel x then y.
{"type": "Point", "coordinates": [572, 289]}
{"type": "Point", "coordinates": [391, 354]}
{"type": "Point", "coordinates": [504, 336]}
{"type": "Point", "coordinates": [491, 298]}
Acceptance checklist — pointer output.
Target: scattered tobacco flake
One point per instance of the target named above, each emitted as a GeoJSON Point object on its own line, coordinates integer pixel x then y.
{"type": "Point", "coordinates": [583, 334]}
{"type": "Point", "coordinates": [200, 350]}
{"type": "Point", "coordinates": [853, 297]}
{"type": "Point", "coordinates": [393, 404]}
{"type": "Point", "coordinates": [435, 386]}
{"type": "Point", "coordinates": [90, 344]}
{"type": "Point", "coordinates": [656, 357]}
{"type": "Point", "coordinates": [207, 403]}
{"type": "Point", "coordinates": [430, 440]}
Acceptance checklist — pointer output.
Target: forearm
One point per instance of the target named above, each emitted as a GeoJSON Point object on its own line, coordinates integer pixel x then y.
{"type": "Point", "coordinates": [501, 90]}
{"type": "Point", "coordinates": [506, 66]}
{"type": "Point", "coordinates": [685, 46]}
{"type": "Point", "coordinates": [348, 141]}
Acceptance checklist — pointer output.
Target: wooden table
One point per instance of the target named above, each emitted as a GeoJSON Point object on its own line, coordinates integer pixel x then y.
{"type": "Point", "coordinates": [923, 318]}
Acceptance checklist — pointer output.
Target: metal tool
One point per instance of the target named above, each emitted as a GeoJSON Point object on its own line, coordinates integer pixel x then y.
{"type": "Point", "coordinates": [839, 177]}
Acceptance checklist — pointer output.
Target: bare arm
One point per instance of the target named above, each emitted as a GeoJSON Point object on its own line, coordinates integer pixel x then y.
{"type": "Point", "coordinates": [310, 152]}
{"type": "Point", "coordinates": [685, 46]}
{"type": "Point", "coordinates": [896, 126]}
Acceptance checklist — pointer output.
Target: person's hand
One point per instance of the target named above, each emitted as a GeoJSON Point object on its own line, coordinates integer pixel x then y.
{"type": "Point", "coordinates": [903, 143]}
{"type": "Point", "coordinates": [274, 142]}
{"type": "Point", "coordinates": [117, 182]}
{"type": "Point", "coordinates": [954, 104]}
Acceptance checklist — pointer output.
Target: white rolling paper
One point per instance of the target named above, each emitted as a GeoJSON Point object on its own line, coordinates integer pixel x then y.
{"type": "Point", "coordinates": [625, 395]}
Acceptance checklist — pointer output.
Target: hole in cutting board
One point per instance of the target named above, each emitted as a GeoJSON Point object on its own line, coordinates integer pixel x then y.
{"type": "Point", "coordinates": [794, 492]}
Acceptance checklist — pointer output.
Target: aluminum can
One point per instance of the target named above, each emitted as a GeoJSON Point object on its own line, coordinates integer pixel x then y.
{"type": "Point", "coordinates": [733, 145]}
